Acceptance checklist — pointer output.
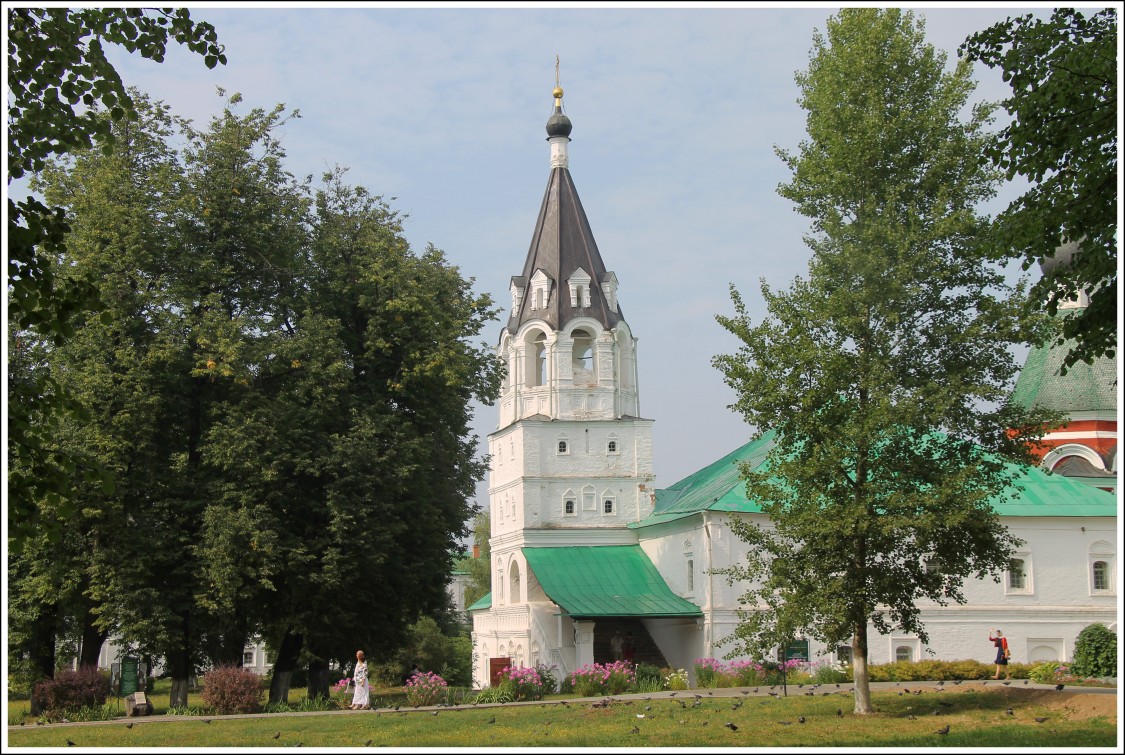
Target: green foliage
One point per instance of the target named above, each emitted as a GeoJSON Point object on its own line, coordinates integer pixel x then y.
{"type": "Point", "coordinates": [61, 87]}
{"type": "Point", "coordinates": [1045, 672]}
{"type": "Point", "coordinates": [425, 688]}
{"type": "Point", "coordinates": [675, 680]}
{"type": "Point", "coordinates": [882, 380]}
{"type": "Point", "coordinates": [501, 693]}
{"type": "Point", "coordinates": [480, 573]}
{"type": "Point", "coordinates": [230, 689]}
{"type": "Point", "coordinates": [1063, 139]}
{"type": "Point", "coordinates": [1095, 652]}
{"type": "Point", "coordinates": [649, 677]}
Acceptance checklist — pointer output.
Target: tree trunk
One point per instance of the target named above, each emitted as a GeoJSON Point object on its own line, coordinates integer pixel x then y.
{"type": "Point", "coordinates": [859, 670]}
{"type": "Point", "coordinates": [284, 665]}
{"type": "Point", "coordinates": [318, 678]}
{"type": "Point", "coordinates": [92, 641]}
{"type": "Point", "coordinates": [42, 649]}
{"type": "Point", "coordinates": [180, 668]}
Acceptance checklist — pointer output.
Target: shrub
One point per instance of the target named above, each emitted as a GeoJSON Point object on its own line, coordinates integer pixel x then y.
{"type": "Point", "coordinates": [1095, 652]}
{"type": "Point", "coordinates": [649, 678]}
{"type": "Point", "coordinates": [524, 683]}
{"type": "Point", "coordinates": [603, 679]}
{"type": "Point", "coordinates": [425, 688]}
{"type": "Point", "coordinates": [1045, 673]}
{"type": "Point", "coordinates": [708, 671]}
{"type": "Point", "coordinates": [676, 680]}
{"type": "Point", "coordinates": [72, 690]}
{"type": "Point", "coordinates": [498, 694]}
{"type": "Point", "coordinates": [231, 689]}
{"type": "Point", "coordinates": [828, 671]}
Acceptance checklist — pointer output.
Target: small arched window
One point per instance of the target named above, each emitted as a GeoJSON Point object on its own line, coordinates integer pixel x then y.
{"type": "Point", "coordinates": [563, 447]}
{"type": "Point", "coordinates": [569, 507]}
{"type": "Point", "coordinates": [1101, 575]}
{"type": "Point", "coordinates": [903, 653]}
{"type": "Point", "coordinates": [607, 506]}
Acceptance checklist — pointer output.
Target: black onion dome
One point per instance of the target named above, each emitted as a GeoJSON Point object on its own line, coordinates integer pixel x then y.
{"type": "Point", "coordinates": [558, 124]}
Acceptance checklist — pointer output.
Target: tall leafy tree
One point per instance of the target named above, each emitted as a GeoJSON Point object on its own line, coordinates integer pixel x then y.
{"type": "Point", "coordinates": [1063, 139]}
{"type": "Point", "coordinates": [197, 251]}
{"type": "Point", "coordinates": [884, 375]}
{"type": "Point", "coordinates": [60, 85]}
{"type": "Point", "coordinates": [363, 453]}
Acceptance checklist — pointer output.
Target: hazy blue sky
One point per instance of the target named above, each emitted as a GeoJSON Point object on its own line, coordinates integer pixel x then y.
{"type": "Point", "coordinates": [676, 113]}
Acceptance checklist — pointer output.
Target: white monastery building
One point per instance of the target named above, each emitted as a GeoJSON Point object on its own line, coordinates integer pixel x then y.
{"type": "Point", "coordinates": [584, 545]}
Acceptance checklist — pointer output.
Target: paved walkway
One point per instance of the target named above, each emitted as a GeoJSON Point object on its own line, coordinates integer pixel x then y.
{"type": "Point", "coordinates": [792, 690]}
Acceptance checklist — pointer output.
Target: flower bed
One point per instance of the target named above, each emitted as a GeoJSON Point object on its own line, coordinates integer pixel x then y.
{"type": "Point", "coordinates": [603, 679]}
{"type": "Point", "coordinates": [425, 688]}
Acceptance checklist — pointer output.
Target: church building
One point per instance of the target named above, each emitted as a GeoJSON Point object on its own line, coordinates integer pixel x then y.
{"type": "Point", "coordinates": [584, 545]}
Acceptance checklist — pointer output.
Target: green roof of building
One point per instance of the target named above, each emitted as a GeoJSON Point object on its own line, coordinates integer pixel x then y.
{"type": "Point", "coordinates": [719, 487]}
{"type": "Point", "coordinates": [607, 580]}
{"type": "Point", "coordinates": [484, 602]}
{"type": "Point", "coordinates": [1084, 387]}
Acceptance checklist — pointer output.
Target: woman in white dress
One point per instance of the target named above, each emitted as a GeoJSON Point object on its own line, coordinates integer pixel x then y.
{"type": "Point", "coordinates": [359, 679]}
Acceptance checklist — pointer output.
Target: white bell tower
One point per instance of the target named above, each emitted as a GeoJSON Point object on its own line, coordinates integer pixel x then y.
{"type": "Point", "coordinates": [571, 458]}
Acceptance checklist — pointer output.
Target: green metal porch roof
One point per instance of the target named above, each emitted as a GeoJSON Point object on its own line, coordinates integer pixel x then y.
{"type": "Point", "coordinates": [483, 602]}
{"type": "Point", "coordinates": [606, 580]}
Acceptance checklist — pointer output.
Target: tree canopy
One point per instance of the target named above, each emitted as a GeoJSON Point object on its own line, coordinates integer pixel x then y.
{"type": "Point", "coordinates": [883, 375]}
{"type": "Point", "coordinates": [1063, 139]}
{"type": "Point", "coordinates": [60, 88]}
{"type": "Point", "coordinates": [282, 390]}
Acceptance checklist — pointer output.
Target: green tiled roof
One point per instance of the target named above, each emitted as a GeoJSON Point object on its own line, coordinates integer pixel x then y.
{"type": "Point", "coordinates": [485, 602]}
{"type": "Point", "coordinates": [1084, 388]}
{"type": "Point", "coordinates": [608, 580]}
{"type": "Point", "coordinates": [718, 487]}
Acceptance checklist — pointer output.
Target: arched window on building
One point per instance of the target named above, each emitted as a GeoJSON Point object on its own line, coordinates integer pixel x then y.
{"type": "Point", "coordinates": [582, 352]}
{"type": "Point", "coordinates": [514, 595]}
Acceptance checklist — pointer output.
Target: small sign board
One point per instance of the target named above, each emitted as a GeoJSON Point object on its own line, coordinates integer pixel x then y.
{"type": "Point", "coordinates": [128, 676]}
{"type": "Point", "coordinates": [797, 650]}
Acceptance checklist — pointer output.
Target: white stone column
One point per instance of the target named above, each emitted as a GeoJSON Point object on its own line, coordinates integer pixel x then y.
{"type": "Point", "coordinates": [583, 643]}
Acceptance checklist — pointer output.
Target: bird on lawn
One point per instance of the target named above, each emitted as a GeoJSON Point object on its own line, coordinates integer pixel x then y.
{"type": "Point", "coordinates": [943, 730]}
{"type": "Point", "coordinates": [785, 723]}
{"type": "Point", "coordinates": [941, 683]}
{"type": "Point", "coordinates": [492, 720]}
{"type": "Point", "coordinates": [69, 743]}
{"type": "Point", "coordinates": [368, 743]}
{"type": "Point", "coordinates": [635, 730]}
{"type": "Point", "coordinates": [1059, 687]}
{"type": "Point", "coordinates": [1006, 683]}
{"type": "Point", "coordinates": [839, 713]}
{"type": "Point", "coordinates": [1011, 712]}
{"type": "Point", "coordinates": [127, 726]}
{"type": "Point", "coordinates": [207, 720]}
{"type": "Point", "coordinates": [434, 713]}
{"type": "Point", "coordinates": [956, 682]}
{"type": "Point", "coordinates": [1040, 719]}
{"type": "Point", "coordinates": [800, 719]}
{"type": "Point", "coordinates": [277, 735]}
{"type": "Point", "coordinates": [730, 726]}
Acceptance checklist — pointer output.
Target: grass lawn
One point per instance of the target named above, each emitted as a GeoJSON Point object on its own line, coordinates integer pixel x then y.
{"type": "Point", "coordinates": [975, 718]}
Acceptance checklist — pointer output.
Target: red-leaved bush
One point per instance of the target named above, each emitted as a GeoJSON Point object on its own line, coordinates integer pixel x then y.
{"type": "Point", "coordinates": [230, 689]}
{"type": "Point", "coordinates": [72, 690]}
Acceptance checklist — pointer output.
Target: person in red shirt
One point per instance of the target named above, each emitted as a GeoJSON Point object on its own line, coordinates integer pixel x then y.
{"type": "Point", "coordinates": [1002, 653]}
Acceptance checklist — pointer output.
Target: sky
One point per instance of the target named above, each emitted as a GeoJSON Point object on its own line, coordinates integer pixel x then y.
{"type": "Point", "coordinates": [677, 109]}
